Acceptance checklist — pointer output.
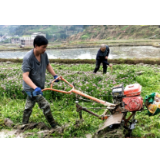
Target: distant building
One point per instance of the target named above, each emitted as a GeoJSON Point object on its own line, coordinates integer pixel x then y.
{"type": "Point", "coordinates": [28, 40]}
{"type": "Point", "coordinates": [15, 40]}
{"type": "Point", "coordinates": [36, 34]}
{"type": "Point", "coordinates": [8, 37]}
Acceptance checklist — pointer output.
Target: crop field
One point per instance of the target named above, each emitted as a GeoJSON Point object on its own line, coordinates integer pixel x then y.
{"type": "Point", "coordinates": [63, 105]}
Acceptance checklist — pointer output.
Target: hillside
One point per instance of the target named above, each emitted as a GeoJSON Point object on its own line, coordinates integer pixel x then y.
{"type": "Point", "coordinates": [109, 32]}
{"type": "Point", "coordinates": [84, 32]}
{"type": "Point", "coordinates": [7, 29]}
{"type": "Point", "coordinates": [52, 32]}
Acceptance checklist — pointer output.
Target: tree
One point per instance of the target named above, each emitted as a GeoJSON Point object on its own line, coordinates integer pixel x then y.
{"type": "Point", "coordinates": [85, 26]}
{"type": "Point", "coordinates": [48, 36]}
{"type": "Point", "coordinates": [63, 36]}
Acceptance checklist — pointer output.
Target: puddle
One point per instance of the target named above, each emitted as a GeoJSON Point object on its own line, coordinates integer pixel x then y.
{"type": "Point", "coordinates": [4, 133]}
{"type": "Point", "coordinates": [88, 136]}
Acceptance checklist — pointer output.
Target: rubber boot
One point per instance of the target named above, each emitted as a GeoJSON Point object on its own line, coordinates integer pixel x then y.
{"type": "Point", "coordinates": [26, 115]}
{"type": "Point", "coordinates": [50, 119]}
{"type": "Point", "coordinates": [44, 105]}
{"type": "Point", "coordinates": [30, 102]}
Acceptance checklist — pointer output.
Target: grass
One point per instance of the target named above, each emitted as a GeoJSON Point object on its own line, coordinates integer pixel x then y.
{"type": "Point", "coordinates": [124, 28]}
{"type": "Point", "coordinates": [150, 61]}
{"type": "Point", "coordinates": [63, 105]}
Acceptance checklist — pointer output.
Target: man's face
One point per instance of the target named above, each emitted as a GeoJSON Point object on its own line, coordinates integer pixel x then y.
{"type": "Point", "coordinates": [41, 49]}
{"type": "Point", "coordinates": [103, 49]}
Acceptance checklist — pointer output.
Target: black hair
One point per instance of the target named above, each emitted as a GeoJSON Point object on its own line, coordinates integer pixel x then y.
{"type": "Point", "coordinates": [40, 40]}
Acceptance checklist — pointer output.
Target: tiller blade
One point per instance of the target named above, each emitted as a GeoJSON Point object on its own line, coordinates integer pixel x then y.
{"type": "Point", "coordinates": [113, 119]}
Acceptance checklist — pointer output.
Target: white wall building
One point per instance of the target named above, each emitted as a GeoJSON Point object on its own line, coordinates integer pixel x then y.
{"type": "Point", "coordinates": [28, 40]}
{"type": "Point", "coordinates": [38, 33]}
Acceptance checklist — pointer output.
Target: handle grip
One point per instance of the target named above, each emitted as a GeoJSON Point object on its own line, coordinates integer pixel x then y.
{"type": "Point", "coordinates": [61, 91]}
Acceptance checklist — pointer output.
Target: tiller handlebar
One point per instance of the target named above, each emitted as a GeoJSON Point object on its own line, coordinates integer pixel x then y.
{"type": "Point", "coordinates": [80, 108]}
{"type": "Point", "coordinates": [78, 92]}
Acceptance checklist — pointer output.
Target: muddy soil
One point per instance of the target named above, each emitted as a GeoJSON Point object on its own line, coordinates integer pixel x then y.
{"type": "Point", "coordinates": [23, 131]}
{"type": "Point", "coordinates": [110, 133]}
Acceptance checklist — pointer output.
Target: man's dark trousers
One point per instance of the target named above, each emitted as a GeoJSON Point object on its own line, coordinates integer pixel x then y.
{"type": "Point", "coordinates": [98, 63]}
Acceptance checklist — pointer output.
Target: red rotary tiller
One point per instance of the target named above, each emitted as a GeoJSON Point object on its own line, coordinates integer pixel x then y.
{"type": "Point", "coordinates": [125, 100]}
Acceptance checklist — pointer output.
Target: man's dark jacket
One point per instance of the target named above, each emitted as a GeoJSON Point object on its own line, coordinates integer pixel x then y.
{"type": "Point", "coordinates": [101, 55]}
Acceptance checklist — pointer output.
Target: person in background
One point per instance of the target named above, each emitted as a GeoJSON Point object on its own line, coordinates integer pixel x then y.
{"type": "Point", "coordinates": [34, 66]}
{"type": "Point", "coordinates": [102, 57]}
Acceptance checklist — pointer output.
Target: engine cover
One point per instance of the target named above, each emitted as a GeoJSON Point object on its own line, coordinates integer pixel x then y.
{"type": "Point", "coordinates": [133, 103]}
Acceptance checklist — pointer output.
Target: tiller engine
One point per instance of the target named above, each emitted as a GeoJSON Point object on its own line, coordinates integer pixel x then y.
{"type": "Point", "coordinates": [125, 100]}
{"type": "Point", "coordinates": [128, 99]}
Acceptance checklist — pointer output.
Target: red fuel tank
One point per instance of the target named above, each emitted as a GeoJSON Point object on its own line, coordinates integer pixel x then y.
{"type": "Point", "coordinates": [132, 90]}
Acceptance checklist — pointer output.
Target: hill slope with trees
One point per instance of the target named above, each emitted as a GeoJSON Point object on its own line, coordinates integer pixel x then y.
{"type": "Point", "coordinates": [110, 32]}
{"type": "Point", "coordinates": [52, 32]}
{"type": "Point", "coordinates": [7, 29]}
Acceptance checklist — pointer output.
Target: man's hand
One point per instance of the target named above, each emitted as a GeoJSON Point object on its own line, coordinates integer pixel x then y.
{"type": "Point", "coordinates": [106, 57]}
{"type": "Point", "coordinates": [37, 91]}
{"type": "Point", "coordinates": [55, 78]}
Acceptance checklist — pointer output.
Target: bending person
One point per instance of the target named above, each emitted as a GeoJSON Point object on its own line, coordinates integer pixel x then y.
{"type": "Point", "coordinates": [102, 57]}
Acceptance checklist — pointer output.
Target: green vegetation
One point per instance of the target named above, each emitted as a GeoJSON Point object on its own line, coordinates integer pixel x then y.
{"type": "Point", "coordinates": [123, 28]}
{"type": "Point", "coordinates": [63, 105]}
{"type": "Point", "coordinates": [151, 61]}
{"type": "Point", "coordinates": [7, 29]}
{"type": "Point", "coordinates": [87, 33]}
{"type": "Point", "coordinates": [116, 32]}
{"type": "Point", "coordinates": [86, 44]}
{"type": "Point", "coordinates": [84, 37]}
{"type": "Point", "coordinates": [53, 32]}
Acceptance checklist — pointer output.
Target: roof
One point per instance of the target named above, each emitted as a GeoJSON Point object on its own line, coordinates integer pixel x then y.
{"type": "Point", "coordinates": [37, 33]}
{"type": "Point", "coordinates": [26, 36]}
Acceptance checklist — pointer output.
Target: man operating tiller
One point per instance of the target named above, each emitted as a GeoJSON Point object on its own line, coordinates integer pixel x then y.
{"type": "Point", "coordinates": [34, 66]}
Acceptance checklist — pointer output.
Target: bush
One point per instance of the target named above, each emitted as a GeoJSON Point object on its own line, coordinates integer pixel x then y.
{"type": "Point", "coordinates": [85, 37]}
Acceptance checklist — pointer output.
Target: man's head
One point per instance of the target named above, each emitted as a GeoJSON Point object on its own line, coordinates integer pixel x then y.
{"type": "Point", "coordinates": [103, 47]}
{"type": "Point", "coordinates": [40, 44]}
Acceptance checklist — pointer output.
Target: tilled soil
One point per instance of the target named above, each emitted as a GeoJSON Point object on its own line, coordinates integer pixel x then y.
{"type": "Point", "coordinates": [23, 131]}
{"type": "Point", "coordinates": [17, 131]}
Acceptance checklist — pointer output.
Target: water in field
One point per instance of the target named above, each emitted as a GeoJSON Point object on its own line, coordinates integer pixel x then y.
{"type": "Point", "coordinates": [4, 133]}
{"type": "Point", "coordinates": [90, 53]}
